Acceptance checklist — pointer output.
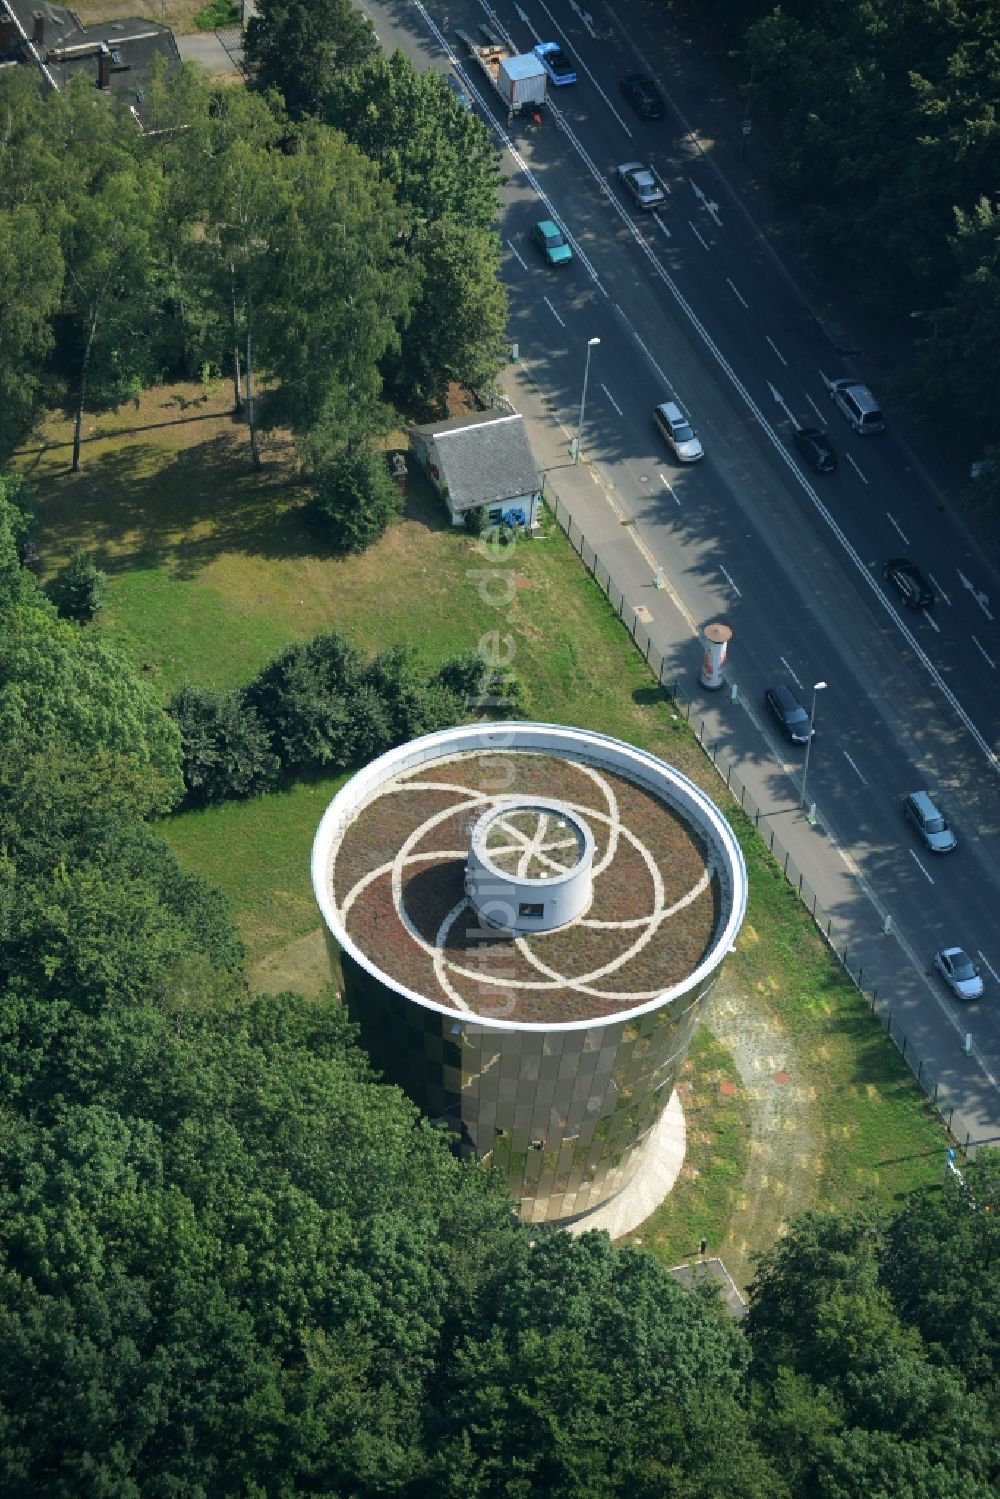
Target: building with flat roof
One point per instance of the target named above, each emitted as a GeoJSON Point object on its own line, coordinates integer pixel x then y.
{"type": "Point", "coordinates": [115, 56]}
{"type": "Point", "coordinates": [528, 918]}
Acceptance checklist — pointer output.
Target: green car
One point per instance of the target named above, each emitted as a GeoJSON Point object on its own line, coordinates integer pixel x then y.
{"type": "Point", "coordinates": [552, 242]}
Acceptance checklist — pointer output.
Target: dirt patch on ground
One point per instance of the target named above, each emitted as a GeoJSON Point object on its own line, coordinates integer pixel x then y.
{"type": "Point", "coordinates": [177, 14]}
{"type": "Point", "coordinates": [303, 965]}
{"type": "Point", "coordinates": [785, 1156]}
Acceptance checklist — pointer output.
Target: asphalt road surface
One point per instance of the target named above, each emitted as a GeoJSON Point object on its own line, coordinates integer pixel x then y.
{"type": "Point", "coordinates": [692, 303]}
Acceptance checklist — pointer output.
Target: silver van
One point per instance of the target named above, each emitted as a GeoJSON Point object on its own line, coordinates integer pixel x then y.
{"type": "Point", "coordinates": [857, 403]}
{"type": "Point", "coordinates": [677, 431]}
{"type": "Point", "coordinates": [929, 823]}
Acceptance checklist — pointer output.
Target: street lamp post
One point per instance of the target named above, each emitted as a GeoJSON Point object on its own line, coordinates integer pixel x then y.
{"type": "Point", "coordinates": [817, 687]}
{"type": "Point", "coordinates": [591, 344]}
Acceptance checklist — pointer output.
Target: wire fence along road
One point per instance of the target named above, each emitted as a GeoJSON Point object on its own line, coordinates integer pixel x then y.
{"type": "Point", "coordinates": [936, 1090]}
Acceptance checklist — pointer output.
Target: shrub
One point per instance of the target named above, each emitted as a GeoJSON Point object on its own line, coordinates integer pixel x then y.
{"type": "Point", "coordinates": [218, 15]}
{"type": "Point", "coordinates": [481, 689]}
{"type": "Point", "coordinates": [357, 497]}
{"type": "Point", "coordinates": [79, 591]}
{"type": "Point", "coordinates": [411, 703]}
{"type": "Point", "coordinates": [309, 701]}
{"type": "Point", "coordinates": [225, 747]}
{"type": "Point", "coordinates": [320, 706]}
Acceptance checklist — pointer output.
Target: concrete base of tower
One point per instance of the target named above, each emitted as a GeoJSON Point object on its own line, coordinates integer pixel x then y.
{"type": "Point", "coordinates": [662, 1158]}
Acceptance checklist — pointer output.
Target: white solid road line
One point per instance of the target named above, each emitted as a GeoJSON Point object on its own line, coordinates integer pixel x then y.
{"type": "Point", "coordinates": [742, 391]}
{"type": "Point", "coordinates": [917, 964]}
{"type": "Point", "coordinates": [556, 27]}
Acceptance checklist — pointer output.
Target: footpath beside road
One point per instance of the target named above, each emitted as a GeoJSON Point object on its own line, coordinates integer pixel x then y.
{"type": "Point", "coordinates": [918, 1016]}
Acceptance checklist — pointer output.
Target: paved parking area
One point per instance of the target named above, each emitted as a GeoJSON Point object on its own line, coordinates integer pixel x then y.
{"type": "Point", "coordinates": [220, 53]}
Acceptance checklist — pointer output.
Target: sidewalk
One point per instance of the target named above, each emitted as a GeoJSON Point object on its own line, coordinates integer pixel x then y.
{"type": "Point", "coordinates": [928, 1035]}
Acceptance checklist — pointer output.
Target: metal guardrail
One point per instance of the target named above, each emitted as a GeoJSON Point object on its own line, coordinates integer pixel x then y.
{"type": "Point", "coordinates": [936, 1091]}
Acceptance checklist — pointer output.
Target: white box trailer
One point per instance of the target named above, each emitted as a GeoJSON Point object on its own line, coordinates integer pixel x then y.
{"type": "Point", "coordinates": [522, 81]}
{"type": "Point", "coordinates": [519, 79]}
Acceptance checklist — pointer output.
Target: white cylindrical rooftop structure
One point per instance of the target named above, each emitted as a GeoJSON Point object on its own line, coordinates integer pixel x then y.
{"type": "Point", "coordinates": [529, 867]}
{"type": "Point", "coordinates": [547, 1043]}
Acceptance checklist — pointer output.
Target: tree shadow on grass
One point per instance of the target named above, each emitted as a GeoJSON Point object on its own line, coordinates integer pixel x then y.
{"type": "Point", "coordinates": [648, 697]}
{"type": "Point", "coordinates": [422, 503]}
{"type": "Point", "coordinates": [141, 506]}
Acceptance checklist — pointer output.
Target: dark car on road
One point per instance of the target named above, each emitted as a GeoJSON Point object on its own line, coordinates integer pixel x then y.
{"type": "Point", "coordinates": [816, 449]}
{"type": "Point", "coordinates": [643, 95]}
{"type": "Point", "coordinates": [909, 582]}
{"type": "Point", "coordinates": [782, 703]}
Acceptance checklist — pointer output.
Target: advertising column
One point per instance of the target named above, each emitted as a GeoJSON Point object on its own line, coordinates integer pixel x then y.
{"type": "Point", "coordinates": [715, 640]}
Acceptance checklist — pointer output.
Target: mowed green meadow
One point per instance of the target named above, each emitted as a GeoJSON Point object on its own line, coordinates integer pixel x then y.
{"type": "Point", "coordinates": [213, 569]}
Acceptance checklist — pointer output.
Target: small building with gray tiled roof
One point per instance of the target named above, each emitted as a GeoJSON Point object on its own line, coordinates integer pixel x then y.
{"type": "Point", "coordinates": [482, 460]}
{"type": "Point", "coordinates": [116, 56]}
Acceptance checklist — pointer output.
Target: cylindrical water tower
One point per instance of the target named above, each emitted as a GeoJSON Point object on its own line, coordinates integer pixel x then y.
{"type": "Point", "coordinates": [527, 918]}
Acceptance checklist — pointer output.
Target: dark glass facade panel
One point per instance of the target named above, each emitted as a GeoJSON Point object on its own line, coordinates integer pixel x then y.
{"type": "Point", "coordinates": [560, 1113]}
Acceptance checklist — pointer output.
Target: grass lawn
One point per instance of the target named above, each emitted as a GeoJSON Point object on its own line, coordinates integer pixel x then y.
{"type": "Point", "coordinates": [257, 853]}
{"type": "Point", "coordinates": [717, 1116]}
{"type": "Point", "coordinates": [880, 1133]}
{"type": "Point", "coordinates": [212, 571]}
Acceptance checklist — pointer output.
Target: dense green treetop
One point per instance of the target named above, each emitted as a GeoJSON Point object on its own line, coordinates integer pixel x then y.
{"type": "Point", "coordinates": [245, 238]}
{"type": "Point", "coordinates": [296, 48]}
{"type": "Point", "coordinates": [852, 1395]}
{"type": "Point", "coordinates": [62, 685]}
{"type": "Point", "coordinates": [942, 1266]}
{"type": "Point", "coordinates": [885, 114]}
{"type": "Point", "coordinates": [439, 158]}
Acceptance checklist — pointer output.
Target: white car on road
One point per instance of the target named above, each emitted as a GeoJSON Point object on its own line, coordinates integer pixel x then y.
{"type": "Point", "coordinates": [642, 184]}
{"type": "Point", "coordinates": [959, 972]}
{"type": "Point", "coordinates": [675, 429]}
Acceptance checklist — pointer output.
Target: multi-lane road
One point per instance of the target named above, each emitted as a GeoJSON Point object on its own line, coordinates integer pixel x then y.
{"type": "Point", "coordinates": [692, 303]}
